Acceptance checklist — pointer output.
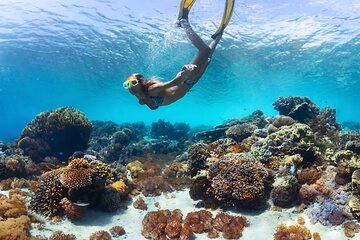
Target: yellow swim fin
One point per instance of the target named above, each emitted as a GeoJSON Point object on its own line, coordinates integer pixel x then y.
{"type": "Point", "coordinates": [229, 7]}
{"type": "Point", "coordinates": [185, 7]}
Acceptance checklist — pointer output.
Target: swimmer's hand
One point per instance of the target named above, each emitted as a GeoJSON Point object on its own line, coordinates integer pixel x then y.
{"type": "Point", "coordinates": [189, 67]}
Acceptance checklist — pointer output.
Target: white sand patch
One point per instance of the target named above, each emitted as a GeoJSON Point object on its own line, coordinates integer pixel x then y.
{"type": "Point", "coordinates": [262, 225]}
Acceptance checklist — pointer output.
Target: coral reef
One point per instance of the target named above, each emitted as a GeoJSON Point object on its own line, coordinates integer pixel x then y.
{"type": "Point", "coordinates": [162, 128]}
{"type": "Point", "coordinates": [240, 132]}
{"type": "Point", "coordinates": [55, 133]}
{"type": "Point", "coordinates": [16, 165]}
{"type": "Point", "coordinates": [298, 108]}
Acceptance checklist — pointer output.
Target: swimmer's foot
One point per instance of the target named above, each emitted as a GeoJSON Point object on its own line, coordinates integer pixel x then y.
{"type": "Point", "coordinates": [183, 23]}
{"type": "Point", "coordinates": [229, 7]}
{"type": "Point", "coordinates": [185, 7]}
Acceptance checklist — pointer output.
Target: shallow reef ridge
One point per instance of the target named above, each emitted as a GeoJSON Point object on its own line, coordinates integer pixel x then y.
{"type": "Point", "coordinates": [296, 175]}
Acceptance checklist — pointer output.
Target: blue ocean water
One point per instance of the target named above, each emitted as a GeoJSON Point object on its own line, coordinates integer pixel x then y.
{"type": "Point", "coordinates": [77, 53]}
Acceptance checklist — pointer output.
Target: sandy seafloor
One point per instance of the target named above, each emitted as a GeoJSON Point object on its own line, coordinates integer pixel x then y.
{"type": "Point", "coordinates": [262, 224]}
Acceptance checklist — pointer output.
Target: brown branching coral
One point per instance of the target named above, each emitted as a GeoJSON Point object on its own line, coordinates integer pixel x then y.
{"type": "Point", "coordinates": [308, 175]}
{"type": "Point", "coordinates": [14, 219]}
{"type": "Point", "coordinates": [231, 226]}
{"type": "Point", "coordinates": [59, 235]}
{"type": "Point", "coordinates": [165, 224]}
{"type": "Point", "coordinates": [140, 204]}
{"type": "Point", "coordinates": [238, 181]}
{"type": "Point", "coordinates": [15, 228]}
{"type": "Point", "coordinates": [100, 235]}
{"type": "Point", "coordinates": [12, 207]}
{"type": "Point", "coordinates": [47, 197]}
{"type": "Point", "coordinates": [117, 231]}
{"type": "Point", "coordinates": [293, 232]}
{"type": "Point", "coordinates": [199, 221]}
{"type": "Point", "coordinates": [351, 228]}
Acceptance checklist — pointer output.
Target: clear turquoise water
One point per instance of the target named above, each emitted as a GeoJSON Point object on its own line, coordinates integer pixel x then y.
{"type": "Point", "coordinates": [57, 53]}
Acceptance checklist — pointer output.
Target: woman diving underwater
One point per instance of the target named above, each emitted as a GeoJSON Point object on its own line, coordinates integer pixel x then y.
{"type": "Point", "coordinates": [155, 93]}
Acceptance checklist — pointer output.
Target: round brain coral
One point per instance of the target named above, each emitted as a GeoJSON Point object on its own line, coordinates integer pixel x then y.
{"type": "Point", "coordinates": [77, 174]}
{"type": "Point", "coordinates": [238, 180]}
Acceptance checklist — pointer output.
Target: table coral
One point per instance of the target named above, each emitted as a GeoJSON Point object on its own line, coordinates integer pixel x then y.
{"type": "Point", "coordinates": [78, 174]}
{"type": "Point", "coordinates": [240, 131]}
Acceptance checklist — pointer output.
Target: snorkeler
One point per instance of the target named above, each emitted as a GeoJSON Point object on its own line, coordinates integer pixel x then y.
{"type": "Point", "coordinates": [155, 93]}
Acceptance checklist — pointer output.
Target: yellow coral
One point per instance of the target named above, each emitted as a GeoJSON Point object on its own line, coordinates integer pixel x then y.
{"type": "Point", "coordinates": [119, 186]}
{"type": "Point", "coordinates": [77, 174]}
{"type": "Point", "coordinates": [135, 167]}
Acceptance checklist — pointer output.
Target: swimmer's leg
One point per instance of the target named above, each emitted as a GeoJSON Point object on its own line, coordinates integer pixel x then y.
{"type": "Point", "coordinates": [192, 35]}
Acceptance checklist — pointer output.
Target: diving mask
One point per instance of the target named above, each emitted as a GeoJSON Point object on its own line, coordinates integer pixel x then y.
{"type": "Point", "coordinates": [130, 82]}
